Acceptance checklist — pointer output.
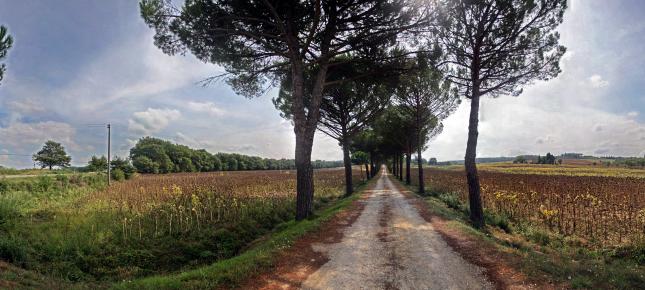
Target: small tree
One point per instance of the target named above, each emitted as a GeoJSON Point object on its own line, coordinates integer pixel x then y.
{"type": "Point", "coordinates": [495, 47]}
{"type": "Point", "coordinates": [432, 161]}
{"type": "Point", "coordinates": [366, 141]}
{"type": "Point", "coordinates": [121, 168]}
{"type": "Point", "coordinates": [6, 41]}
{"type": "Point", "coordinates": [97, 164]}
{"type": "Point", "coordinates": [52, 154]}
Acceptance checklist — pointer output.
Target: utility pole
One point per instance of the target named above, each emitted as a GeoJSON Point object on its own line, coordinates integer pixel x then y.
{"type": "Point", "coordinates": [108, 153]}
{"type": "Point", "coordinates": [109, 137]}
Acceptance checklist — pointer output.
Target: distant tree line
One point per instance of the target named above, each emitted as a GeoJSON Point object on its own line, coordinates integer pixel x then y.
{"type": "Point", "coordinates": [547, 159]}
{"type": "Point", "coordinates": [153, 155]}
{"type": "Point", "coordinates": [630, 162]}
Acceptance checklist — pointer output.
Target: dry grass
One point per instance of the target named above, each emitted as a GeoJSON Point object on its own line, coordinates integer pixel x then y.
{"type": "Point", "coordinates": [179, 203]}
{"type": "Point", "coordinates": [581, 168]}
{"type": "Point", "coordinates": [601, 210]}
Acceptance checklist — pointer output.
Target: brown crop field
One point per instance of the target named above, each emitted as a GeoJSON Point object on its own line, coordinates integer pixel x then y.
{"type": "Point", "coordinates": [178, 203]}
{"type": "Point", "coordinates": [601, 210]}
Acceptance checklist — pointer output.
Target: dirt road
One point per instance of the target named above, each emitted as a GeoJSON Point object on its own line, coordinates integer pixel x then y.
{"type": "Point", "coordinates": [390, 246]}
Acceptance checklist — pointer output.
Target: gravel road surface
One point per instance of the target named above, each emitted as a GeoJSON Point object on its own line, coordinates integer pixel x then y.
{"type": "Point", "coordinates": [390, 246]}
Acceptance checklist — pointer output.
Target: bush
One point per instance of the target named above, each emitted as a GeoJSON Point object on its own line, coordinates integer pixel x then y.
{"type": "Point", "coordinates": [499, 220]}
{"type": "Point", "coordinates": [4, 187]}
{"type": "Point", "coordinates": [636, 253]}
{"type": "Point", "coordinates": [8, 212]}
{"type": "Point", "coordinates": [12, 250]}
{"type": "Point", "coordinates": [124, 166]}
{"type": "Point", "coordinates": [118, 175]}
{"type": "Point", "coordinates": [539, 237]}
{"type": "Point", "coordinates": [451, 200]}
{"type": "Point", "coordinates": [44, 184]}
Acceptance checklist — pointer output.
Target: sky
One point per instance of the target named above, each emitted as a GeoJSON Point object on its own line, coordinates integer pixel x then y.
{"type": "Point", "coordinates": [79, 62]}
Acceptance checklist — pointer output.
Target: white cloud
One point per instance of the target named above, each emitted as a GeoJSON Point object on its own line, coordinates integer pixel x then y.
{"type": "Point", "coordinates": [205, 107]}
{"type": "Point", "coordinates": [4, 158]}
{"type": "Point", "coordinates": [26, 106]}
{"type": "Point", "coordinates": [131, 71]}
{"type": "Point", "coordinates": [632, 114]}
{"type": "Point", "coordinates": [597, 81]}
{"type": "Point", "coordinates": [152, 120]}
{"type": "Point", "coordinates": [18, 135]}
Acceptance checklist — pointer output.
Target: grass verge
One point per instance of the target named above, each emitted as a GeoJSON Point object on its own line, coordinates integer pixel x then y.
{"type": "Point", "coordinates": [540, 254]}
{"type": "Point", "coordinates": [232, 271]}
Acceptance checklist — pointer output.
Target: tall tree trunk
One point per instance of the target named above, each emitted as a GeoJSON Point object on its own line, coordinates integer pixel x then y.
{"type": "Point", "coordinates": [304, 177]}
{"type": "Point", "coordinates": [422, 189]}
{"type": "Point", "coordinates": [349, 187]}
{"type": "Point", "coordinates": [305, 123]}
{"type": "Point", "coordinates": [367, 171]}
{"type": "Point", "coordinates": [474, 191]}
{"type": "Point", "coordinates": [367, 168]}
{"type": "Point", "coordinates": [408, 160]}
{"type": "Point", "coordinates": [395, 171]}
{"type": "Point", "coordinates": [401, 167]}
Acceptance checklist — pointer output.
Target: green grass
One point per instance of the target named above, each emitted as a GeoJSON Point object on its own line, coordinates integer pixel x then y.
{"type": "Point", "coordinates": [13, 171]}
{"type": "Point", "coordinates": [12, 277]}
{"type": "Point", "coordinates": [232, 271]}
{"type": "Point", "coordinates": [541, 252]}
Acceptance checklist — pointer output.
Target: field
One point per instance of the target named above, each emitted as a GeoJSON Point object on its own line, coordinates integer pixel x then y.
{"type": "Point", "coordinates": [596, 206]}
{"type": "Point", "coordinates": [74, 229]}
{"type": "Point", "coordinates": [569, 167]}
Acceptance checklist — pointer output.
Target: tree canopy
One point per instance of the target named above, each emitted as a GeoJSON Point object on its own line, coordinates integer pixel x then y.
{"type": "Point", "coordinates": [6, 41]}
{"type": "Point", "coordinates": [97, 164]}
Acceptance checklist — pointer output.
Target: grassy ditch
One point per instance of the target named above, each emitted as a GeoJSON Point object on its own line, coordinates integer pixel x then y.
{"type": "Point", "coordinates": [232, 271]}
